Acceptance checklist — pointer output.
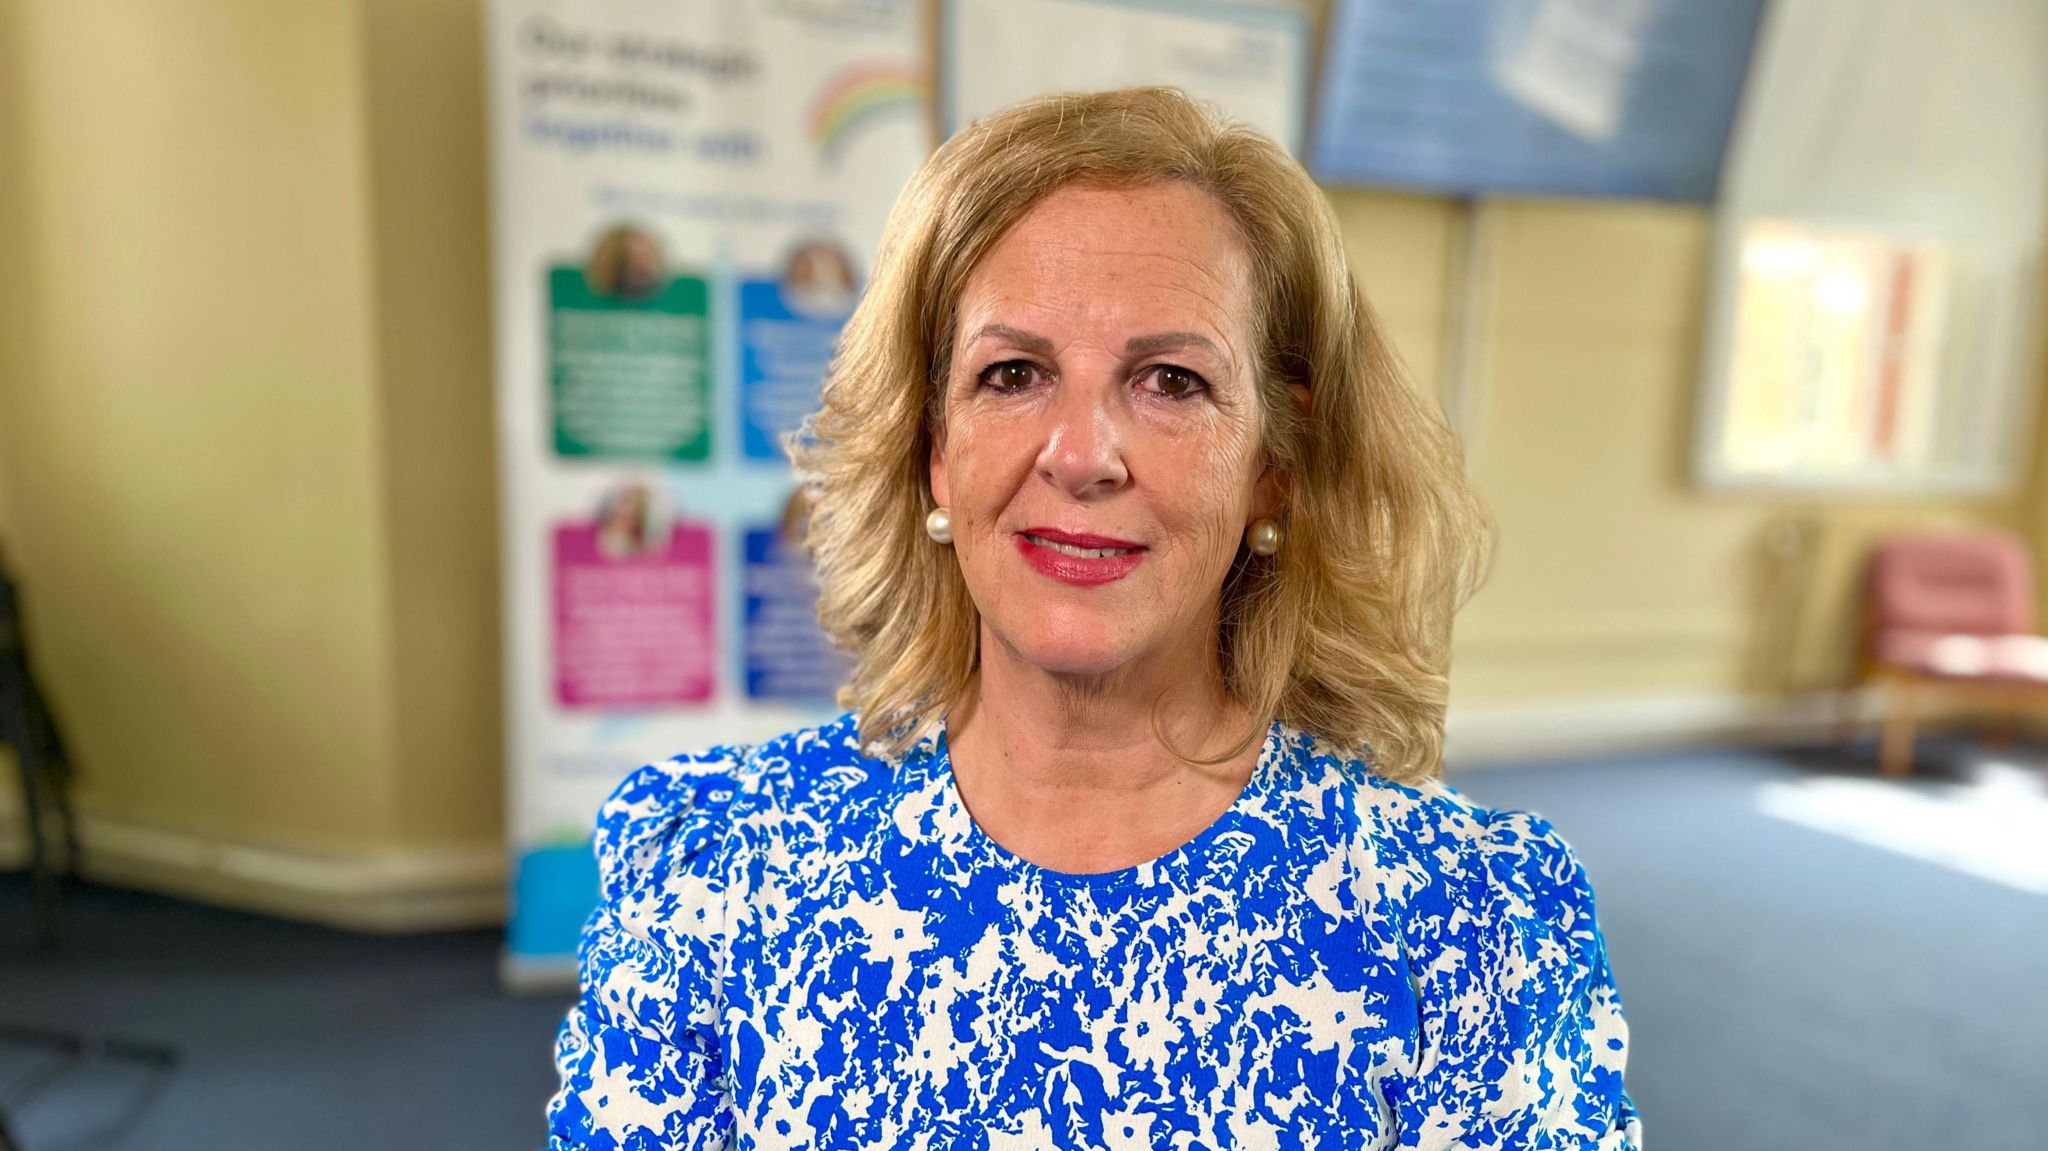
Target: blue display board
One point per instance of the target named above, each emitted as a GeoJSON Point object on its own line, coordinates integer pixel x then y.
{"type": "Point", "coordinates": [1625, 98]}
{"type": "Point", "coordinates": [784, 351]}
{"type": "Point", "coordinates": [788, 656]}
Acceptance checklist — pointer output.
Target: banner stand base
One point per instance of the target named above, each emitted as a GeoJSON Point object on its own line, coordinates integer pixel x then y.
{"type": "Point", "coordinates": [536, 974]}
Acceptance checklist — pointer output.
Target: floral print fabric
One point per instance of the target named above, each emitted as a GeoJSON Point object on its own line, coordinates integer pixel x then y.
{"type": "Point", "coordinates": [800, 945]}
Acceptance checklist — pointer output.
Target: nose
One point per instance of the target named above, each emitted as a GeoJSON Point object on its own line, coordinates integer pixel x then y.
{"type": "Point", "coordinates": [1084, 444]}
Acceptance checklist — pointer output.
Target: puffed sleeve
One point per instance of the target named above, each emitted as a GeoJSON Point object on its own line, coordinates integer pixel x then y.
{"type": "Point", "coordinates": [1522, 1038]}
{"type": "Point", "coordinates": [638, 1054]}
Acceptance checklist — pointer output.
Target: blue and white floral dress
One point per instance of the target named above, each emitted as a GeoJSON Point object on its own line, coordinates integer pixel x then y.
{"type": "Point", "coordinates": [803, 946]}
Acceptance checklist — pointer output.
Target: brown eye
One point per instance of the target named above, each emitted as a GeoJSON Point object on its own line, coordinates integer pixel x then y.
{"type": "Point", "coordinates": [1177, 383]}
{"type": "Point", "coordinates": [1009, 376]}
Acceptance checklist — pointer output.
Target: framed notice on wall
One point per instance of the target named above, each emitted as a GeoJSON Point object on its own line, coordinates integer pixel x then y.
{"type": "Point", "coordinates": [1251, 60]}
{"type": "Point", "coordinates": [1626, 98]}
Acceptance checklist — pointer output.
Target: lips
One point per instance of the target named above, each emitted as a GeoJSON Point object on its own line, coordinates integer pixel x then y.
{"type": "Point", "coordinates": [1079, 559]}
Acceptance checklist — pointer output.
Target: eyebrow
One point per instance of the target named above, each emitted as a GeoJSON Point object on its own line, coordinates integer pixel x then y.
{"type": "Point", "coordinates": [1172, 342]}
{"type": "Point", "coordinates": [1036, 345]}
{"type": "Point", "coordinates": [1135, 346]}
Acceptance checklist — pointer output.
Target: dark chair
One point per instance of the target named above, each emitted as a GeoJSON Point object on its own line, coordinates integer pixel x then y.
{"type": "Point", "coordinates": [27, 727]}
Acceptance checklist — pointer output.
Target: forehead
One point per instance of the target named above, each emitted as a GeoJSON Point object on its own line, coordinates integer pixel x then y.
{"type": "Point", "coordinates": [1157, 256]}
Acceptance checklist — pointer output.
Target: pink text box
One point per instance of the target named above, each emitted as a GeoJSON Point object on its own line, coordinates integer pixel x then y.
{"type": "Point", "coordinates": [634, 632]}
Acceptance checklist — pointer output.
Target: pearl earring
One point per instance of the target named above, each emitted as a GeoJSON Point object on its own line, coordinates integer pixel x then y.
{"type": "Point", "coordinates": [1263, 537]}
{"type": "Point", "coordinates": [939, 526]}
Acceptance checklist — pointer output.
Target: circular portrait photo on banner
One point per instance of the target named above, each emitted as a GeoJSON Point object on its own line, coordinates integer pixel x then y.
{"type": "Point", "coordinates": [626, 264]}
{"type": "Point", "coordinates": [819, 279]}
{"type": "Point", "coordinates": [630, 522]}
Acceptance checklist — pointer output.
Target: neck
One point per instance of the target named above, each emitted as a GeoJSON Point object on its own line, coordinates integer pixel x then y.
{"type": "Point", "coordinates": [1070, 771]}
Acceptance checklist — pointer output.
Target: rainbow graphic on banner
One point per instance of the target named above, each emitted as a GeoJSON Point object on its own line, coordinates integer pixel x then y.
{"type": "Point", "coordinates": [861, 94]}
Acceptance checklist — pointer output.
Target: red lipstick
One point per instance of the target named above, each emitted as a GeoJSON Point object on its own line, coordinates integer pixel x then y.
{"type": "Point", "coordinates": [1064, 556]}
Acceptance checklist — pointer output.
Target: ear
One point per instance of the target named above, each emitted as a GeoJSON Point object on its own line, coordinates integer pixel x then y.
{"type": "Point", "coordinates": [1269, 494]}
{"type": "Point", "coordinates": [1270, 491]}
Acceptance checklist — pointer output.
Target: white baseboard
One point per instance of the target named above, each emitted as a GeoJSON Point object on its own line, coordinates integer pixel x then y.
{"type": "Point", "coordinates": [394, 891]}
{"type": "Point", "coordinates": [380, 891]}
{"type": "Point", "coordinates": [1493, 737]}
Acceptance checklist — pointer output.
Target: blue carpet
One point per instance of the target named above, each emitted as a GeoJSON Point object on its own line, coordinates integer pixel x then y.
{"type": "Point", "coordinates": [292, 1038]}
{"type": "Point", "coordinates": [1785, 988]}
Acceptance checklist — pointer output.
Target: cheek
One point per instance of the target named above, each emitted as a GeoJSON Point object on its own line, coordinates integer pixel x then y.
{"type": "Point", "coordinates": [1220, 528]}
{"type": "Point", "coordinates": [983, 462]}
{"type": "Point", "coordinates": [1208, 478]}
{"type": "Point", "coordinates": [980, 487]}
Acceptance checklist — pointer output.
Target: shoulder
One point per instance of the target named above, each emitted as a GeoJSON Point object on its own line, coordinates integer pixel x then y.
{"type": "Point", "coordinates": [1521, 1039]}
{"type": "Point", "coordinates": [653, 953]}
{"type": "Point", "coordinates": [1449, 855]}
{"type": "Point", "coordinates": [670, 816]}
{"type": "Point", "coordinates": [1491, 901]}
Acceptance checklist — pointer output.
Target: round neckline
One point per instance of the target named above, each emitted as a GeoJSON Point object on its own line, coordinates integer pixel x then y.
{"type": "Point", "coordinates": [955, 809]}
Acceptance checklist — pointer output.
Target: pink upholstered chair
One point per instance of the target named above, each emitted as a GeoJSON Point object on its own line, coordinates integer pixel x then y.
{"type": "Point", "coordinates": [1951, 613]}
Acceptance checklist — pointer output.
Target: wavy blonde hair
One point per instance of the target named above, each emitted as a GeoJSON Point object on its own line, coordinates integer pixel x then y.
{"type": "Point", "coordinates": [1345, 633]}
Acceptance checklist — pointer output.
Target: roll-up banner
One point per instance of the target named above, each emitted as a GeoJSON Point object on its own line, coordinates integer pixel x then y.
{"type": "Point", "coordinates": [687, 201]}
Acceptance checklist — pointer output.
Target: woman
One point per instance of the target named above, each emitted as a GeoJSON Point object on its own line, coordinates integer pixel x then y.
{"type": "Point", "coordinates": [1146, 555]}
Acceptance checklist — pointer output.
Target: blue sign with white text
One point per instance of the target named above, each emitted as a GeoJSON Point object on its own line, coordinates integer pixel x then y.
{"type": "Point", "coordinates": [788, 656]}
{"type": "Point", "coordinates": [787, 330]}
{"type": "Point", "coordinates": [1627, 98]}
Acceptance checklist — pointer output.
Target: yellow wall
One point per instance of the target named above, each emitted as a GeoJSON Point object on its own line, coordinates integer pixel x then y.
{"type": "Point", "coordinates": [246, 445]}
{"type": "Point", "coordinates": [247, 439]}
{"type": "Point", "coordinates": [431, 232]}
{"type": "Point", "coordinates": [2036, 515]}
{"type": "Point", "coordinates": [190, 429]}
{"type": "Point", "coordinates": [14, 228]}
{"type": "Point", "coordinates": [14, 324]}
{"type": "Point", "coordinates": [1613, 575]}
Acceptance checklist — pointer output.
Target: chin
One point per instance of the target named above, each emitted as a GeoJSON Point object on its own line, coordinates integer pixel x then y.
{"type": "Point", "coordinates": [1078, 643]}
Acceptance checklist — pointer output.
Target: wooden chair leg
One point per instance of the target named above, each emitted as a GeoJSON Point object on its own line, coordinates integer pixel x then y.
{"type": "Point", "coordinates": [1998, 730]}
{"type": "Point", "coordinates": [1895, 755]}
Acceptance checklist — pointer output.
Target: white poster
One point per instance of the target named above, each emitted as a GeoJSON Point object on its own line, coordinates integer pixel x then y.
{"type": "Point", "coordinates": [1249, 59]}
{"type": "Point", "coordinates": [687, 201]}
{"type": "Point", "coordinates": [1874, 294]}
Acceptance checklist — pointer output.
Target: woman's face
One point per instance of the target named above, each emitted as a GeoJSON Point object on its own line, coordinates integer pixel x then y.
{"type": "Point", "coordinates": [1101, 453]}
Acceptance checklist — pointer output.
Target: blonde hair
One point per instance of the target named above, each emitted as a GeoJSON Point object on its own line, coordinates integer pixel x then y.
{"type": "Point", "coordinates": [1345, 633]}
